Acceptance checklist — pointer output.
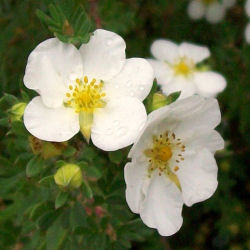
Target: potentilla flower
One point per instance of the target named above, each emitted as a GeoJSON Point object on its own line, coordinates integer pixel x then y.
{"type": "Point", "coordinates": [247, 31]}
{"type": "Point", "coordinates": [94, 89]}
{"type": "Point", "coordinates": [213, 10]}
{"type": "Point", "coordinates": [176, 69]}
{"type": "Point", "coordinates": [173, 162]}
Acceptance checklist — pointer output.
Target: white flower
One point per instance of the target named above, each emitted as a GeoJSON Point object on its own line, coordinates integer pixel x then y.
{"type": "Point", "coordinates": [176, 69]}
{"type": "Point", "coordinates": [213, 10]}
{"type": "Point", "coordinates": [173, 162]}
{"type": "Point", "coordinates": [247, 31]}
{"type": "Point", "coordinates": [94, 89]}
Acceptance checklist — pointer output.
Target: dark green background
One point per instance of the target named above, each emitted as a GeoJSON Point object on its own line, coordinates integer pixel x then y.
{"type": "Point", "coordinates": [219, 223]}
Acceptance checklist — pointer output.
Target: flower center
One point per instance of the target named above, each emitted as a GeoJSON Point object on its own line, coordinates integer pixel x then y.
{"type": "Point", "coordinates": [85, 95]}
{"type": "Point", "coordinates": [184, 67]}
{"type": "Point", "coordinates": [165, 155]}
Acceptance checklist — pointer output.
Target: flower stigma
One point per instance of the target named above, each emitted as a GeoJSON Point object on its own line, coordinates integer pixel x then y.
{"type": "Point", "coordinates": [165, 155]}
{"type": "Point", "coordinates": [184, 67]}
{"type": "Point", "coordinates": [86, 95]}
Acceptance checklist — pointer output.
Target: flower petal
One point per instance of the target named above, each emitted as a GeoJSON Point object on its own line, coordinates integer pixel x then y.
{"type": "Point", "coordinates": [162, 72]}
{"type": "Point", "coordinates": [50, 66]}
{"type": "Point", "coordinates": [104, 55]}
{"type": "Point", "coordinates": [198, 177]}
{"type": "Point", "coordinates": [196, 114]}
{"type": "Point", "coordinates": [186, 86]}
{"type": "Point", "coordinates": [118, 124]}
{"type": "Point", "coordinates": [247, 7]}
{"type": "Point", "coordinates": [135, 175]}
{"type": "Point", "coordinates": [195, 52]}
{"type": "Point", "coordinates": [164, 50]}
{"type": "Point", "coordinates": [57, 125]}
{"type": "Point", "coordinates": [211, 140]}
{"type": "Point", "coordinates": [209, 84]}
{"type": "Point", "coordinates": [162, 206]}
{"type": "Point", "coordinates": [196, 9]}
{"type": "Point", "coordinates": [228, 3]}
{"type": "Point", "coordinates": [215, 12]}
{"type": "Point", "coordinates": [247, 33]}
{"type": "Point", "coordinates": [135, 80]}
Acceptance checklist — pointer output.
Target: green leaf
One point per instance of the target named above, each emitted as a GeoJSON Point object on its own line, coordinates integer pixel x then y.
{"type": "Point", "coordinates": [56, 236]}
{"type": "Point", "coordinates": [46, 220]}
{"type": "Point", "coordinates": [149, 100]}
{"type": "Point", "coordinates": [68, 21]}
{"type": "Point", "coordinates": [86, 189]}
{"type": "Point", "coordinates": [173, 97]}
{"type": "Point", "coordinates": [61, 199]}
{"type": "Point", "coordinates": [69, 151]}
{"type": "Point", "coordinates": [34, 166]}
{"type": "Point", "coordinates": [116, 156]}
{"type": "Point", "coordinates": [47, 181]}
{"type": "Point", "coordinates": [90, 170]}
{"type": "Point", "coordinates": [77, 216]}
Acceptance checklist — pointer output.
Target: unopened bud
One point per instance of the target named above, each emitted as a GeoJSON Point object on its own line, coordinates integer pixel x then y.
{"type": "Point", "coordinates": [17, 110]}
{"type": "Point", "coordinates": [46, 149]}
{"type": "Point", "coordinates": [159, 100]}
{"type": "Point", "coordinates": [69, 175]}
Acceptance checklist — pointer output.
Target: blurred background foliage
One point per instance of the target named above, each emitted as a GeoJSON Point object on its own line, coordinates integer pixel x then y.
{"type": "Point", "coordinates": [37, 214]}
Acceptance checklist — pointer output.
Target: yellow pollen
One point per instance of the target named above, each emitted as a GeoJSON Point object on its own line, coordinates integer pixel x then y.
{"type": "Point", "coordinates": [85, 79]}
{"type": "Point", "coordinates": [184, 67]}
{"type": "Point", "coordinates": [166, 150]}
{"type": "Point", "coordinates": [85, 96]}
{"type": "Point", "coordinates": [164, 153]}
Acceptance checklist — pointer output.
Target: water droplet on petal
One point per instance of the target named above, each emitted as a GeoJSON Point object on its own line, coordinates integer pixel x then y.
{"type": "Point", "coordinates": [116, 122]}
{"type": "Point", "coordinates": [109, 131]}
{"type": "Point", "coordinates": [132, 94]}
{"type": "Point", "coordinates": [141, 88]}
{"type": "Point", "coordinates": [129, 83]}
{"type": "Point", "coordinates": [122, 131]}
{"type": "Point", "coordinates": [109, 42]}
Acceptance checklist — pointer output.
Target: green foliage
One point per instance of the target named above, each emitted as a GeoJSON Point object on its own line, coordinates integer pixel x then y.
{"type": "Point", "coordinates": [35, 213]}
{"type": "Point", "coordinates": [68, 21]}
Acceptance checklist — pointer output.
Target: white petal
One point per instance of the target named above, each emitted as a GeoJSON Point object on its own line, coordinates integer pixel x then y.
{"type": "Point", "coordinates": [247, 7]}
{"type": "Point", "coordinates": [195, 114]}
{"type": "Point", "coordinates": [50, 66]}
{"type": "Point", "coordinates": [209, 84]}
{"type": "Point", "coordinates": [118, 124]}
{"type": "Point", "coordinates": [198, 177]}
{"type": "Point", "coordinates": [196, 9]}
{"type": "Point", "coordinates": [215, 12]}
{"type": "Point", "coordinates": [162, 206]}
{"type": "Point", "coordinates": [228, 3]}
{"type": "Point", "coordinates": [49, 124]}
{"type": "Point", "coordinates": [164, 50]}
{"type": "Point", "coordinates": [135, 175]}
{"type": "Point", "coordinates": [162, 72]}
{"type": "Point", "coordinates": [185, 85]}
{"type": "Point", "coordinates": [247, 33]}
{"type": "Point", "coordinates": [104, 55]}
{"type": "Point", "coordinates": [195, 52]}
{"type": "Point", "coordinates": [135, 80]}
{"type": "Point", "coordinates": [211, 140]}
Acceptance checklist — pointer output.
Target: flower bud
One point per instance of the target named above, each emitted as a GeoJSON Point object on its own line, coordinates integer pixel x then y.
{"type": "Point", "coordinates": [46, 149]}
{"type": "Point", "coordinates": [17, 110]}
{"type": "Point", "coordinates": [69, 175]}
{"type": "Point", "coordinates": [159, 100]}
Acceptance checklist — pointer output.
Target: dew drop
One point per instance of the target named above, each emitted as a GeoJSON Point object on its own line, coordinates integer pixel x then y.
{"type": "Point", "coordinates": [109, 42]}
{"type": "Point", "coordinates": [129, 83]}
{"type": "Point", "coordinates": [122, 131]}
{"type": "Point", "coordinates": [109, 131]}
{"type": "Point", "coordinates": [116, 122]}
{"type": "Point", "coordinates": [132, 94]}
